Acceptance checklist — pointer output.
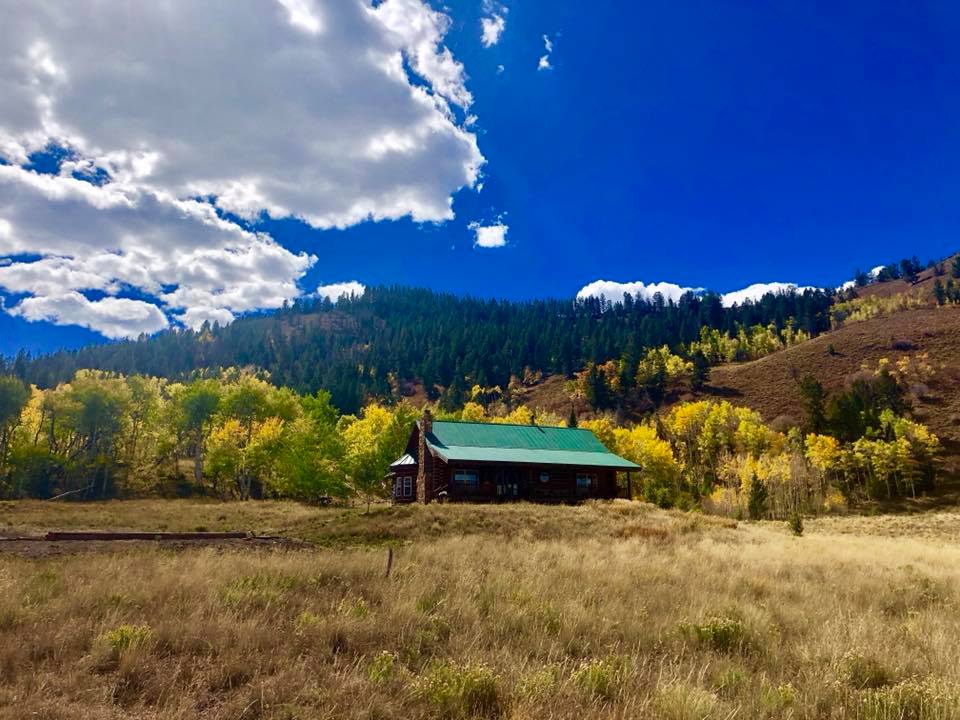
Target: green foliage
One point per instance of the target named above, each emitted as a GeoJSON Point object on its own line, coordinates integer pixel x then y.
{"type": "Point", "coordinates": [602, 677]}
{"type": "Point", "coordinates": [127, 636]}
{"type": "Point", "coordinates": [461, 691]}
{"type": "Point", "coordinates": [795, 523]}
{"type": "Point", "coordinates": [861, 672]}
{"type": "Point", "coordinates": [721, 633]}
{"type": "Point", "coordinates": [361, 348]}
{"type": "Point", "coordinates": [383, 667]}
{"type": "Point", "coordinates": [912, 699]}
{"type": "Point", "coordinates": [939, 292]}
{"type": "Point", "coordinates": [701, 371]}
{"type": "Point", "coordinates": [757, 502]}
{"type": "Point", "coordinates": [814, 399]}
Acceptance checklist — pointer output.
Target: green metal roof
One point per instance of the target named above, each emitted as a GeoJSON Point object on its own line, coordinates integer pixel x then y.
{"type": "Point", "coordinates": [526, 444]}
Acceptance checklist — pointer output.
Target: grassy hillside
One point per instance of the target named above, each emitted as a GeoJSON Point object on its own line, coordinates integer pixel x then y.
{"type": "Point", "coordinates": [604, 610]}
{"type": "Point", "coordinates": [768, 384]}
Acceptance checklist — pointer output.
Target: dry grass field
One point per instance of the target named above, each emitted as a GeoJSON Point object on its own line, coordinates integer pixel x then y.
{"type": "Point", "coordinates": [602, 610]}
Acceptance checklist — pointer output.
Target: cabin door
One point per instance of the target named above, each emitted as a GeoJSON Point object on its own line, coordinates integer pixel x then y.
{"type": "Point", "coordinates": [508, 484]}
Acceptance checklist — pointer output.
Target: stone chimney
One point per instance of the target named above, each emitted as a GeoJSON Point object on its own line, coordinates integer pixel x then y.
{"type": "Point", "coordinates": [424, 460]}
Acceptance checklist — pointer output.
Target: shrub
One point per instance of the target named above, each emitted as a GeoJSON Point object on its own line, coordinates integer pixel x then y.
{"type": "Point", "coordinates": [127, 636]}
{"type": "Point", "coordinates": [461, 690]}
{"type": "Point", "coordinates": [757, 503]}
{"type": "Point", "coordinates": [684, 702]}
{"type": "Point", "coordinates": [862, 672]}
{"type": "Point", "coordinates": [795, 523]}
{"type": "Point", "coordinates": [722, 634]}
{"type": "Point", "coordinates": [307, 619]}
{"type": "Point", "coordinates": [539, 684]}
{"type": "Point", "coordinates": [778, 698]}
{"type": "Point", "coordinates": [926, 699]}
{"type": "Point", "coordinates": [383, 667]}
{"type": "Point", "coordinates": [357, 608]}
{"type": "Point", "coordinates": [730, 681]}
{"type": "Point", "coordinates": [601, 678]}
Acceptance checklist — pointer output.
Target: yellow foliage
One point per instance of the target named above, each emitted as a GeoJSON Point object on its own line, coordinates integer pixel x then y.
{"type": "Point", "coordinates": [662, 360]}
{"type": "Point", "coordinates": [823, 452]}
{"type": "Point", "coordinates": [520, 415]}
{"type": "Point", "coordinates": [473, 412]}
{"type": "Point", "coordinates": [865, 308]}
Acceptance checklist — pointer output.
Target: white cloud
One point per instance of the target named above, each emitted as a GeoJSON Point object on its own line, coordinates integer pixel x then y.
{"type": "Point", "coordinates": [489, 236]}
{"type": "Point", "coordinates": [112, 317]}
{"type": "Point", "coordinates": [297, 108]}
{"type": "Point", "coordinates": [117, 236]}
{"type": "Point", "coordinates": [544, 63]}
{"type": "Point", "coordinates": [491, 28]}
{"type": "Point", "coordinates": [195, 317]}
{"type": "Point", "coordinates": [614, 291]}
{"type": "Point", "coordinates": [335, 291]}
{"type": "Point", "coordinates": [304, 89]}
{"type": "Point", "coordinates": [758, 290]}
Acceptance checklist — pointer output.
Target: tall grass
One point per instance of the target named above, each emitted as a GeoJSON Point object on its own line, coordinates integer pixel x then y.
{"type": "Point", "coordinates": [526, 613]}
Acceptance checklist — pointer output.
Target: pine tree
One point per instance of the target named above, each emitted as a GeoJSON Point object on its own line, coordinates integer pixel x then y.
{"type": "Point", "coordinates": [939, 292]}
{"type": "Point", "coordinates": [701, 371]}
{"type": "Point", "coordinates": [955, 268]}
{"type": "Point", "coordinates": [814, 399]}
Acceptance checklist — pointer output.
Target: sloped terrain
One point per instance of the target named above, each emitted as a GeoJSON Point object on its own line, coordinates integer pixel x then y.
{"type": "Point", "coordinates": [769, 385]}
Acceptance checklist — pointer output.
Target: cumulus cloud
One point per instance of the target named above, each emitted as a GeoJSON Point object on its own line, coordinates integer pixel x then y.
{"type": "Point", "coordinates": [111, 317]}
{"type": "Point", "coordinates": [614, 291]}
{"type": "Point", "coordinates": [118, 237]}
{"type": "Point", "coordinates": [335, 291]}
{"type": "Point", "coordinates": [301, 108]}
{"type": "Point", "coordinates": [491, 28]}
{"type": "Point", "coordinates": [544, 63]}
{"type": "Point", "coordinates": [758, 290]}
{"type": "Point", "coordinates": [489, 236]}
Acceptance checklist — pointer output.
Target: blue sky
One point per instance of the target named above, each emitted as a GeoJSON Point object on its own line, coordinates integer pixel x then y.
{"type": "Point", "coordinates": [708, 144]}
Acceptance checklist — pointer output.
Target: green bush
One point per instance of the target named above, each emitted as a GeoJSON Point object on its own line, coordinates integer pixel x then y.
{"type": "Point", "coordinates": [461, 690]}
{"type": "Point", "coordinates": [862, 672]}
{"type": "Point", "coordinates": [926, 699]}
{"type": "Point", "coordinates": [383, 667]}
{"type": "Point", "coordinates": [601, 677]}
{"type": "Point", "coordinates": [539, 684]}
{"type": "Point", "coordinates": [722, 634]}
{"type": "Point", "coordinates": [127, 636]}
{"type": "Point", "coordinates": [795, 523]}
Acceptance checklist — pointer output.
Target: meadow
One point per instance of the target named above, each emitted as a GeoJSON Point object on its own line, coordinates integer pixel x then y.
{"type": "Point", "coordinates": [614, 609]}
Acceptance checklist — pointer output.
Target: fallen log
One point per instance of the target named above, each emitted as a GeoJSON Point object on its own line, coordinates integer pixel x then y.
{"type": "Point", "coordinates": [95, 535]}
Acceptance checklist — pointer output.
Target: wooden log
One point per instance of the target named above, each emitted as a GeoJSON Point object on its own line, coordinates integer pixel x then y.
{"type": "Point", "coordinates": [95, 535]}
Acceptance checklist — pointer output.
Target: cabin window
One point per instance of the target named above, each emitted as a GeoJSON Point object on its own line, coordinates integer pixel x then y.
{"type": "Point", "coordinates": [407, 486]}
{"type": "Point", "coordinates": [585, 481]}
{"type": "Point", "coordinates": [544, 477]}
{"type": "Point", "coordinates": [468, 479]}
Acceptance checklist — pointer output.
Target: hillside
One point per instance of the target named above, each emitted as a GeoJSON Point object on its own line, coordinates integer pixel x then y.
{"type": "Point", "coordinates": [367, 347]}
{"type": "Point", "coordinates": [768, 385]}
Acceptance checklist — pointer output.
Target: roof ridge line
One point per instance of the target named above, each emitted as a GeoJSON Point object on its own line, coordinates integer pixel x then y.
{"type": "Point", "coordinates": [539, 427]}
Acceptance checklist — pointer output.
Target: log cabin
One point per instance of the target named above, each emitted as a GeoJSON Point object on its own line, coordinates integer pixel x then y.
{"type": "Point", "coordinates": [485, 462]}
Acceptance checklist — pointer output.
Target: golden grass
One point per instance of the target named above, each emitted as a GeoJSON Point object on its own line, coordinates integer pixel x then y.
{"type": "Point", "coordinates": [603, 610]}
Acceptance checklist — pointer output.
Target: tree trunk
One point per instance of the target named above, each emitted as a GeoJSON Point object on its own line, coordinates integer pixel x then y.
{"type": "Point", "coordinates": [198, 459]}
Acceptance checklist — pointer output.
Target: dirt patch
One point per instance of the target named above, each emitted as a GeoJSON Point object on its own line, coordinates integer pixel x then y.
{"type": "Point", "coordinates": [41, 548]}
